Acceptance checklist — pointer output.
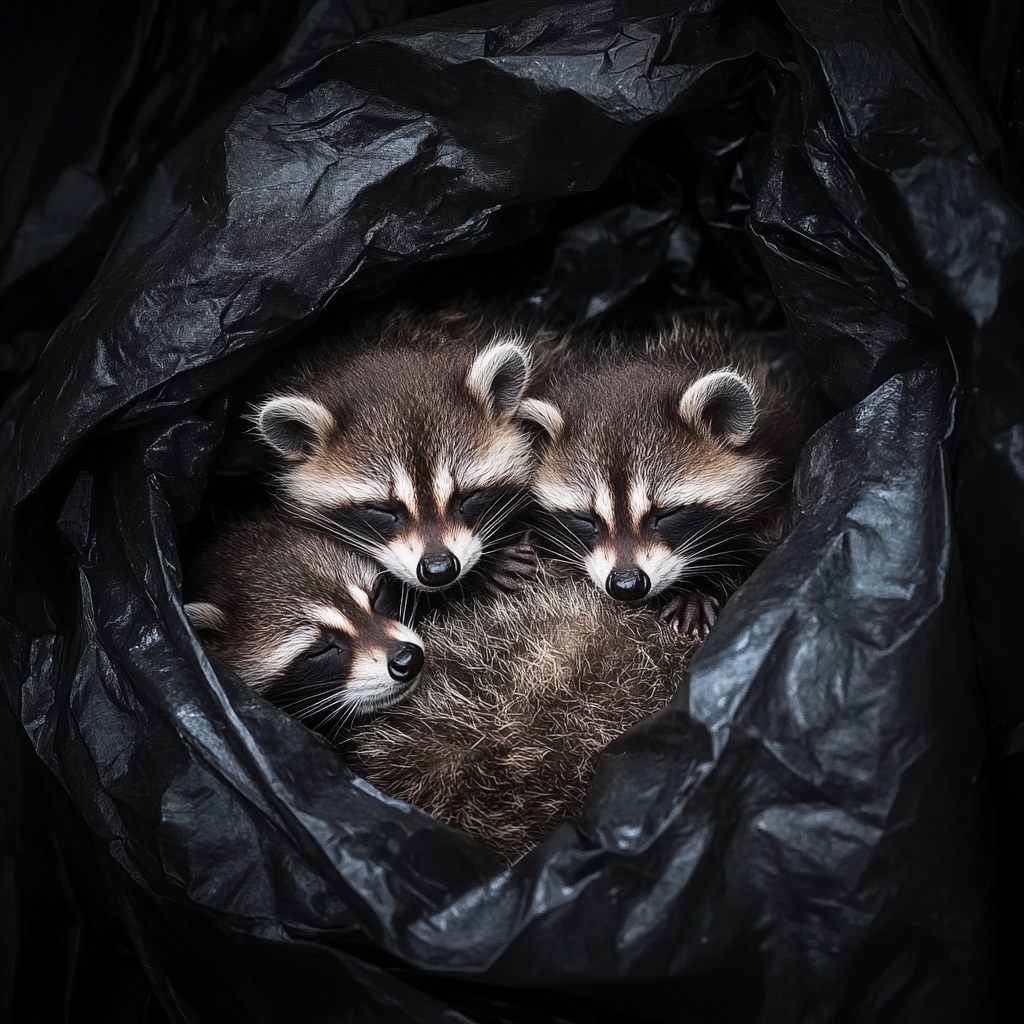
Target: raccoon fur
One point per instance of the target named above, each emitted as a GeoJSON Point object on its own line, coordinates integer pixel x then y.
{"type": "Point", "coordinates": [309, 623]}
{"type": "Point", "coordinates": [666, 468]}
{"type": "Point", "coordinates": [519, 697]}
{"type": "Point", "coordinates": [407, 440]}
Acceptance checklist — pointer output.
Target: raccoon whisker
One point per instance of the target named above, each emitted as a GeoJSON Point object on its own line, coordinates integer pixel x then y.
{"type": "Point", "coordinates": [353, 540]}
{"type": "Point", "coordinates": [712, 569]}
{"type": "Point", "coordinates": [719, 525]}
{"type": "Point", "coordinates": [502, 502]}
{"type": "Point", "coordinates": [573, 562]}
{"type": "Point", "coordinates": [407, 605]}
{"type": "Point", "coordinates": [498, 537]}
{"type": "Point", "coordinates": [308, 705]}
{"type": "Point", "coordinates": [569, 536]}
{"type": "Point", "coordinates": [347, 533]}
{"type": "Point", "coordinates": [341, 708]}
{"type": "Point", "coordinates": [347, 536]}
{"type": "Point", "coordinates": [497, 541]}
{"type": "Point", "coordinates": [706, 541]}
{"type": "Point", "coordinates": [346, 712]}
{"type": "Point", "coordinates": [570, 543]}
{"type": "Point", "coordinates": [494, 512]}
{"type": "Point", "coordinates": [495, 544]}
{"type": "Point", "coordinates": [765, 490]}
{"type": "Point", "coordinates": [574, 555]}
{"type": "Point", "coordinates": [694, 551]}
{"type": "Point", "coordinates": [778, 485]}
{"type": "Point", "coordinates": [567, 558]}
{"type": "Point", "coordinates": [300, 691]}
{"type": "Point", "coordinates": [315, 518]}
{"type": "Point", "coordinates": [494, 517]}
{"type": "Point", "coordinates": [380, 536]}
{"type": "Point", "coordinates": [311, 707]}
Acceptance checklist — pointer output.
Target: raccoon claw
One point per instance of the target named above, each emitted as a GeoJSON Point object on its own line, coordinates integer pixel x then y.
{"type": "Point", "coordinates": [691, 614]}
{"type": "Point", "coordinates": [512, 569]}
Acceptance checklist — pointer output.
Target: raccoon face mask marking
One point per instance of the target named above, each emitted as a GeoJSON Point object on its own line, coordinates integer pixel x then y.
{"type": "Point", "coordinates": [382, 447]}
{"type": "Point", "coordinates": [312, 625]}
{"type": "Point", "coordinates": [654, 472]}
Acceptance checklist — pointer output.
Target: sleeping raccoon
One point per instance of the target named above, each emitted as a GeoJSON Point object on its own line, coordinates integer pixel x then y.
{"type": "Point", "coordinates": [303, 620]}
{"type": "Point", "coordinates": [666, 469]}
{"type": "Point", "coordinates": [519, 697]}
{"type": "Point", "coordinates": [408, 443]}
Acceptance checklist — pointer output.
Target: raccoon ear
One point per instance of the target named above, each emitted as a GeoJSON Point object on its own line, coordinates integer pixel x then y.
{"type": "Point", "coordinates": [722, 403]}
{"type": "Point", "coordinates": [205, 616]}
{"type": "Point", "coordinates": [498, 376]}
{"type": "Point", "coordinates": [545, 414]}
{"type": "Point", "coordinates": [294, 426]}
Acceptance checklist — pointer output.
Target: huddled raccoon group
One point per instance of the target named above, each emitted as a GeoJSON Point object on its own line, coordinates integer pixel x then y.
{"type": "Point", "coordinates": [515, 536]}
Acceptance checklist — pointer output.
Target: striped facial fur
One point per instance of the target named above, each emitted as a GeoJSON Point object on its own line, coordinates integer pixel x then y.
{"type": "Point", "coordinates": [665, 469]}
{"type": "Point", "coordinates": [409, 446]}
{"type": "Point", "coordinates": [312, 625]}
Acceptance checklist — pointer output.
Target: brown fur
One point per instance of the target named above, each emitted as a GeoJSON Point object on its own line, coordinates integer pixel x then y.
{"type": "Point", "coordinates": [268, 590]}
{"type": "Point", "coordinates": [518, 699]}
{"type": "Point", "coordinates": [622, 432]}
{"type": "Point", "coordinates": [397, 412]}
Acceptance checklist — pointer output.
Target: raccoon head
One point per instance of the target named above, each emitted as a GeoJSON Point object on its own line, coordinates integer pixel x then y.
{"type": "Point", "coordinates": [649, 478]}
{"type": "Point", "coordinates": [417, 458]}
{"type": "Point", "coordinates": [314, 627]}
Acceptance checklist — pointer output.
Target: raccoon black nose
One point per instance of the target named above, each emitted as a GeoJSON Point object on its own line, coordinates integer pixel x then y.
{"type": "Point", "coordinates": [405, 662]}
{"type": "Point", "coordinates": [438, 568]}
{"type": "Point", "coordinates": [628, 584]}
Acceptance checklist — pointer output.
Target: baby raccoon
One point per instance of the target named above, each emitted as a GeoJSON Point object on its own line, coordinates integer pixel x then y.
{"type": "Point", "coordinates": [305, 621]}
{"type": "Point", "coordinates": [407, 441]}
{"type": "Point", "coordinates": [666, 468]}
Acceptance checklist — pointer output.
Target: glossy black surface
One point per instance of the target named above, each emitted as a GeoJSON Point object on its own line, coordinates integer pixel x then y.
{"type": "Point", "coordinates": [405, 662]}
{"type": "Point", "coordinates": [809, 837]}
{"type": "Point", "coordinates": [628, 584]}
{"type": "Point", "coordinates": [438, 568]}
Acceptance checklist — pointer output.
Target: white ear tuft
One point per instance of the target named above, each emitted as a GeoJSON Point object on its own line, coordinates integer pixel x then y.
{"type": "Point", "coordinates": [543, 413]}
{"type": "Point", "coordinates": [293, 425]}
{"type": "Point", "coordinates": [204, 615]}
{"type": "Point", "coordinates": [499, 375]}
{"type": "Point", "coordinates": [721, 403]}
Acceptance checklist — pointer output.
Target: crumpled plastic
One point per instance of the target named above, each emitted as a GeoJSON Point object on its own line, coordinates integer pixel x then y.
{"type": "Point", "coordinates": [809, 836]}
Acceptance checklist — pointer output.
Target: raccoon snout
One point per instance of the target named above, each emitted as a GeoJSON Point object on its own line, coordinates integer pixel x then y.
{"type": "Point", "coordinates": [405, 662]}
{"type": "Point", "coordinates": [629, 584]}
{"type": "Point", "coordinates": [438, 568]}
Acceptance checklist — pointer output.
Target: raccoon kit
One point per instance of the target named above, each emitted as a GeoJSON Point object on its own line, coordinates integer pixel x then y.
{"type": "Point", "coordinates": [518, 699]}
{"type": "Point", "coordinates": [666, 468]}
{"type": "Point", "coordinates": [309, 623]}
{"type": "Point", "coordinates": [409, 444]}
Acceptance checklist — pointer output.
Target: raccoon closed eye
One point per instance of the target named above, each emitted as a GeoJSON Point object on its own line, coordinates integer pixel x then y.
{"type": "Point", "coordinates": [383, 521]}
{"type": "Point", "coordinates": [328, 660]}
{"type": "Point", "coordinates": [675, 524]}
{"type": "Point", "coordinates": [474, 506]}
{"type": "Point", "coordinates": [585, 528]}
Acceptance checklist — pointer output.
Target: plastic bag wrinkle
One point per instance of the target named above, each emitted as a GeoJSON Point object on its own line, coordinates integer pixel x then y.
{"type": "Point", "coordinates": [761, 853]}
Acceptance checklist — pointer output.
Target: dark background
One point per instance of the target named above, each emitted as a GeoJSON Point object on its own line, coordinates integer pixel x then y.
{"type": "Point", "coordinates": [109, 111]}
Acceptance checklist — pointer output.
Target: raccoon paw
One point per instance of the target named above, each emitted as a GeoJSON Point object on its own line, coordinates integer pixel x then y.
{"type": "Point", "coordinates": [691, 614]}
{"type": "Point", "coordinates": [511, 569]}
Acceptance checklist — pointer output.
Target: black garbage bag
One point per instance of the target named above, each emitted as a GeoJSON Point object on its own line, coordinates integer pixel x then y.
{"type": "Point", "coordinates": [808, 838]}
{"type": "Point", "coordinates": [104, 101]}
